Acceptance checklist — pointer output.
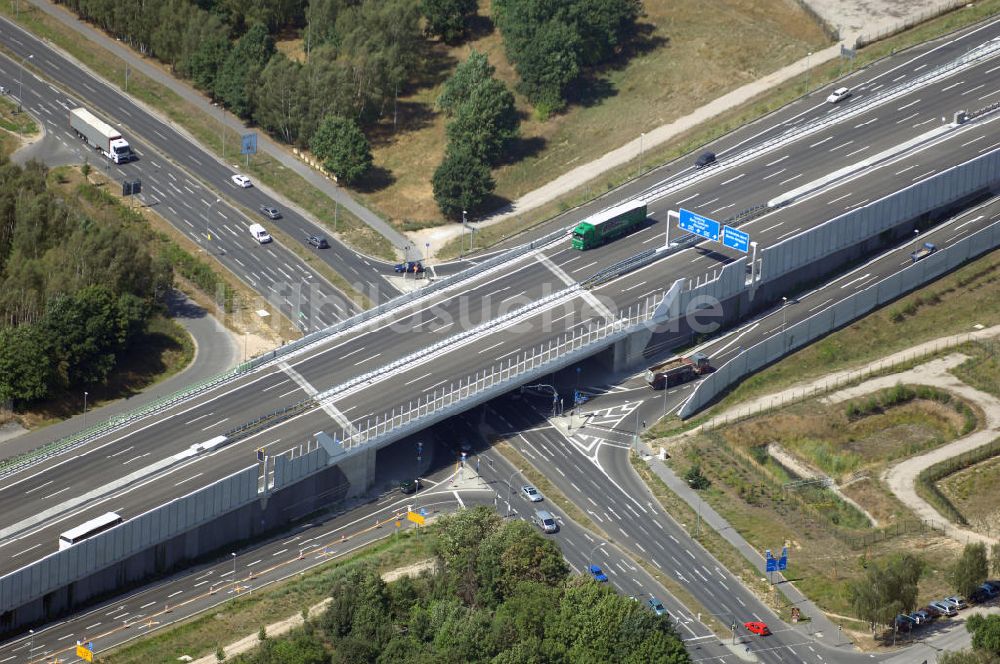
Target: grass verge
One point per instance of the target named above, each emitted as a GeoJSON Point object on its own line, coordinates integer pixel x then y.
{"type": "Point", "coordinates": [745, 570]}
{"type": "Point", "coordinates": [724, 123]}
{"type": "Point", "coordinates": [829, 541]}
{"type": "Point", "coordinates": [982, 369]}
{"type": "Point", "coordinates": [207, 130]}
{"type": "Point", "coordinates": [951, 305]}
{"type": "Point", "coordinates": [201, 635]}
{"type": "Point", "coordinates": [553, 494]}
{"type": "Point", "coordinates": [928, 478]}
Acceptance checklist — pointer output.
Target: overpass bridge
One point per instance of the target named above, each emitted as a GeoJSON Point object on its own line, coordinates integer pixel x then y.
{"type": "Point", "coordinates": [404, 385]}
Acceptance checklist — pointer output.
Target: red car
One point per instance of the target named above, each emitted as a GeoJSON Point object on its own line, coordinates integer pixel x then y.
{"type": "Point", "coordinates": [757, 628]}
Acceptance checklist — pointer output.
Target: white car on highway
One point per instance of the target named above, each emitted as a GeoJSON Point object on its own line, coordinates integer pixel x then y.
{"type": "Point", "coordinates": [241, 181]}
{"type": "Point", "coordinates": [531, 493]}
{"type": "Point", "coordinates": [839, 95]}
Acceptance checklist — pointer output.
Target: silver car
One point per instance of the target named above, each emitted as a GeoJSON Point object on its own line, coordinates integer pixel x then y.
{"type": "Point", "coordinates": [545, 521]}
{"type": "Point", "coordinates": [945, 608]}
{"type": "Point", "coordinates": [531, 493]}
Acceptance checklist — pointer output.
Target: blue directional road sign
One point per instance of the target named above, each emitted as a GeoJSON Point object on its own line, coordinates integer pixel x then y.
{"type": "Point", "coordinates": [735, 239]}
{"type": "Point", "coordinates": [248, 144]}
{"type": "Point", "coordinates": [699, 225]}
{"type": "Point", "coordinates": [783, 561]}
{"type": "Point", "coordinates": [772, 563]}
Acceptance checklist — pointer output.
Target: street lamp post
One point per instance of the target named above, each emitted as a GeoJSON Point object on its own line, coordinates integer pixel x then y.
{"type": "Point", "coordinates": [20, 75]}
{"type": "Point", "coordinates": [916, 239]}
{"type": "Point", "coordinates": [233, 554]}
{"type": "Point", "coordinates": [642, 137]}
{"type": "Point", "coordinates": [784, 316]}
{"type": "Point", "coordinates": [208, 218]}
{"type": "Point", "coordinates": [465, 227]}
{"type": "Point", "coordinates": [590, 557]}
{"type": "Point", "coordinates": [85, 409]}
{"type": "Point", "coordinates": [808, 71]}
{"type": "Point", "coordinates": [510, 489]}
{"type": "Point", "coordinates": [31, 642]}
{"type": "Point", "coordinates": [427, 254]}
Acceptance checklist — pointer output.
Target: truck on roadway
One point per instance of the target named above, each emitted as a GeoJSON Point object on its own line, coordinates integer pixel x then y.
{"type": "Point", "coordinates": [677, 370]}
{"type": "Point", "coordinates": [609, 225]}
{"type": "Point", "coordinates": [926, 250]}
{"type": "Point", "coordinates": [100, 135]}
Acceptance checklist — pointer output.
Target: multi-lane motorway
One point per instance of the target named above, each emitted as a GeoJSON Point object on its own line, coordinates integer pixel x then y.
{"type": "Point", "coordinates": [336, 360]}
{"type": "Point", "coordinates": [62, 485]}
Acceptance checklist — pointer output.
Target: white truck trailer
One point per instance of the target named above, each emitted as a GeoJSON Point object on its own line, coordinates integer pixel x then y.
{"type": "Point", "coordinates": [100, 135]}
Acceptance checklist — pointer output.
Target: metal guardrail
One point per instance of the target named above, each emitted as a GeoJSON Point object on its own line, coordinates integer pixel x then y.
{"type": "Point", "coordinates": [975, 54]}
{"type": "Point", "coordinates": [454, 339]}
{"type": "Point", "coordinates": [73, 441]}
{"type": "Point", "coordinates": [68, 443]}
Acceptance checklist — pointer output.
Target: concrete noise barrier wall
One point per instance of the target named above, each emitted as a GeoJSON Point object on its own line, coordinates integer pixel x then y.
{"type": "Point", "coordinates": [795, 336]}
{"type": "Point", "coordinates": [135, 535]}
{"type": "Point", "coordinates": [867, 222]}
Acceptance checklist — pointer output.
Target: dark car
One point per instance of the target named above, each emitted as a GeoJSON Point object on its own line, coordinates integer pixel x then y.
{"type": "Point", "coordinates": [904, 623]}
{"type": "Point", "coordinates": [318, 241]}
{"type": "Point", "coordinates": [598, 574]}
{"type": "Point", "coordinates": [705, 159]}
{"type": "Point", "coordinates": [657, 606]}
{"type": "Point", "coordinates": [270, 212]}
{"type": "Point", "coordinates": [413, 267]}
{"type": "Point", "coordinates": [410, 486]}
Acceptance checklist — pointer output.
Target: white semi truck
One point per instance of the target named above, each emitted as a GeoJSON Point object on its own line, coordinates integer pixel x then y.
{"type": "Point", "coordinates": [100, 135]}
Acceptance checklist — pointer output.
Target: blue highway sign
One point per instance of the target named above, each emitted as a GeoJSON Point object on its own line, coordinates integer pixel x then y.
{"type": "Point", "coordinates": [771, 562]}
{"type": "Point", "coordinates": [699, 225]}
{"type": "Point", "coordinates": [248, 144]}
{"type": "Point", "coordinates": [735, 239]}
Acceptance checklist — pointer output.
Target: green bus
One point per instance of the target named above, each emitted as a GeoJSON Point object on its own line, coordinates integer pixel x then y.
{"type": "Point", "coordinates": [609, 225]}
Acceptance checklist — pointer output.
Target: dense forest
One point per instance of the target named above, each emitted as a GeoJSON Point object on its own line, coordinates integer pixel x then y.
{"type": "Point", "coordinates": [358, 56]}
{"type": "Point", "coordinates": [74, 293]}
{"type": "Point", "coordinates": [503, 594]}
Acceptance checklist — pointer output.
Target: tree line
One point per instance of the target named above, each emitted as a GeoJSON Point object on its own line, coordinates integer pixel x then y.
{"type": "Point", "coordinates": [502, 595]}
{"type": "Point", "coordinates": [889, 587]}
{"type": "Point", "coordinates": [359, 55]}
{"type": "Point", "coordinates": [75, 293]}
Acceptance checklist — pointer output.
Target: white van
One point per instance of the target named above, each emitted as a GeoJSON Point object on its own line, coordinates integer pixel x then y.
{"type": "Point", "coordinates": [259, 233]}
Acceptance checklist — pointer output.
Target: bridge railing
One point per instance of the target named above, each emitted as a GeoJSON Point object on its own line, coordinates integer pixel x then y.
{"type": "Point", "coordinates": [497, 377]}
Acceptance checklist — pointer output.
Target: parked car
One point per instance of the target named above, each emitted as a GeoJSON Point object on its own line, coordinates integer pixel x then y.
{"type": "Point", "coordinates": [980, 595]}
{"type": "Point", "coordinates": [757, 627]}
{"type": "Point", "coordinates": [956, 601]}
{"type": "Point", "coordinates": [838, 95]}
{"type": "Point", "coordinates": [994, 585]}
{"type": "Point", "coordinates": [921, 618]}
{"type": "Point", "coordinates": [413, 267]}
{"type": "Point", "coordinates": [945, 608]}
{"type": "Point", "coordinates": [531, 493]}
{"type": "Point", "coordinates": [241, 181]}
{"type": "Point", "coordinates": [657, 606]}
{"type": "Point", "coordinates": [410, 486]}
{"type": "Point", "coordinates": [932, 611]}
{"type": "Point", "coordinates": [270, 211]}
{"type": "Point", "coordinates": [318, 241]}
{"type": "Point", "coordinates": [704, 159]}
{"type": "Point", "coordinates": [904, 623]}
{"type": "Point", "coordinates": [598, 574]}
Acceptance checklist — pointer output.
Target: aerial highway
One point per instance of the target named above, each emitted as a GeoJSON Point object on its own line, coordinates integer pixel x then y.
{"type": "Point", "coordinates": [170, 162]}
{"type": "Point", "coordinates": [887, 72]}
{"type": "Point", "coordinates": [332, 362]}
{"type": "Point", "coordinates": [318, 542]}
{"type": "Point", "coordinates": [46, 499]}
{"type": "Point", "coordinates": [60, 484]}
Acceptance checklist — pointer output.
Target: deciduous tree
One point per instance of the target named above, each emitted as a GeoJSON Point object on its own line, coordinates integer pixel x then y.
{"type": "Point", "coordinates": [970, 570]}
{"type": "Point", "coordinates": [446, 18]}
{"type": "Point", "coordinates": [461, 182]}
{"type": "Point", "coordinates": [342, 146]}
